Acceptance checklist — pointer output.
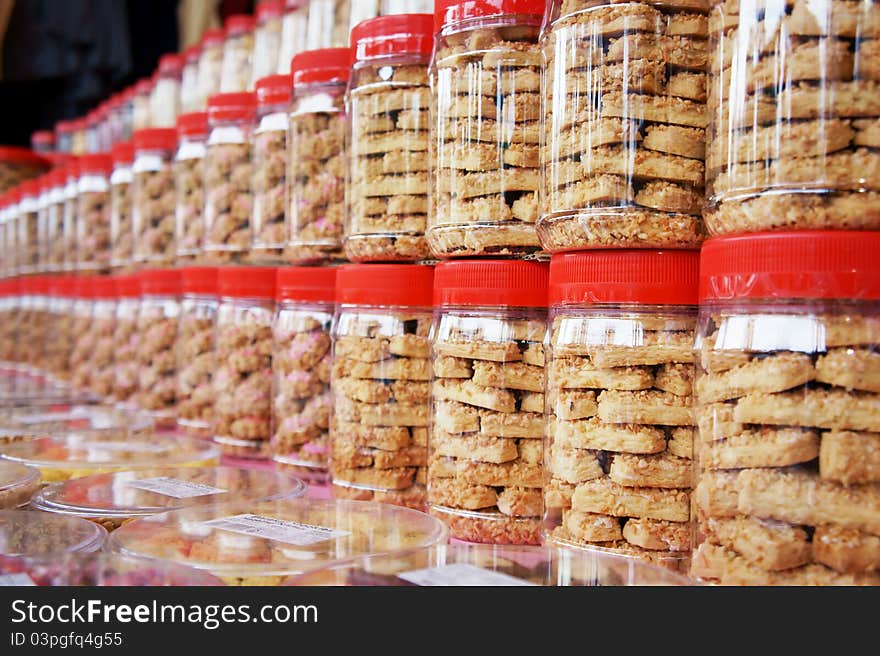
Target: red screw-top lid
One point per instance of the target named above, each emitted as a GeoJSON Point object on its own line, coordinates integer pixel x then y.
{"type": "Point", "coordinates": [273, 90]}
{"type": "Point", "coordinates": [646, 277]}
{"type": "Point", "coordinates": [239, 24]}
{"type": "Point", "coordinates": [447, 12]}
{"type": "Point", "coordinates": [325, 65]}
{"type": "Point", "coordinates": [30, 188]}
{"type": "Point", "coordinates": [155, 139]}
{"type": "Point", "coordinates": [143, 86]}
{"type": "Point", "coordinates": [71, 169]}
{"type": "Point", "coordinates": [236, 106]}
{"type": "Point", "coordinates": [59, 176]}
{"type": "Point", "coordinates": [493, 283]}
{"type": "Point", "coordinates": [385, 284]}
{"type": "Point", "coordinates": [247, 282]}
{"type": "Point", "coordinates": [395, 34]}
{"type": "Point", "coordinates": [170, 64]}
{"type": "Point", "coordinates": [84, 287]}
{"type": "Point", "coordinates": [14, 195]}
{"type": "Point", "coordinates": [192, 53]}
{"type": "Point", "coordinates": [306, 284]}
{"type": "Point", "coordinates": [95, 163]}
{"type": "Point", "coordinates": [43, 138]}
{"type": "Point", "coordinates": [200, 280]}
{"type": "Point", "coordinates": [17, 155]}
{"type": "Point", "coordinates": [128, 286]}
{"type": "Point", "coordinates": [160, 282]}
{"type": "Point", "coordinates": [812, 264]}
{"type": "Point", "coordinates": [213, 37]}
{"type": "Point", "coordinates": [104, 287]}
{"type": "Point", "coordinates": [123, 153]}
{"type": "Point", "coordinates": [62, 286]}
{"type": "Point", "coordinates": [63, 127]}
{"type": "Point", "coordinates": [192, 124]}
{"type": "Point", "coordinates": [267, 9]}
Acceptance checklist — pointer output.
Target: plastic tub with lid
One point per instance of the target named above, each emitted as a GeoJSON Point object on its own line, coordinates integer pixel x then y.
{"type": "Point", "coordinates": [25, 533]}
{"type": "Point", "coordinates": [17, 484]}
{"type": "Point", "coordinates": [41, 419]}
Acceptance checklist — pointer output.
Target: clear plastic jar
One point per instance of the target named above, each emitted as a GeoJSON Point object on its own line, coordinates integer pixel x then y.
{"type": "Point", "coordinates": [93, 120]}
{"type": "Point", "coordinates": [52, 239]}
{"type": "Point", "coordinates": [196, 360]}
{"type": "Point", "coordinates": [37, 331]}
{"type": "Point", "coordinates": [388, 157]}
{"type": "Point", "coordinates": [79, 139]}
{"type": "Point", "coordinates": [485, 453]}
{"type": "Point", "coordinates": [103, 329]}
{"type": "Point", "coordinates": [189, 80]}
{"type": "Point", "coordinates": [17, 485]}
{"type": "Point", "coordinates": [165, 95]}
{"type": "Point", "coordinates": [41, 534]}
{"type": "Point", "coordinates": [105, 136]}
{"type": "Point", "coordinates": [238, 51]}
{"type": "Point", "coordinates": [121, 231]}
{"type": "Point", "coordinates": [19, 164]}
{"type": "Point", "coordinates": [210, 63]}
{"type": "Point", "coordinates": [43, 141]}
{"type": "Point", "coordinates": [126, 114]}
{"type": "Point", "coordinates": [140, 105]}
{"type": "Point", "coordinates": [316, 177]}
{"type": "Point", "coordinates": [93, 212]}
{"type": "Point", "coordinates": [10, 231]}
{"type": "Point", "coordinates": [619, 439]}
{"type": "Point", "coordinates": [153, 196]}
{"type": "Point", "coordinates": [125, 340]}
{"type": "Point", "coordinates": [7, 326]}
{"type": "Point", "coordinates": [330, 21]}
{"type": "Point", "coordinates": [228, 198]}
{"type": "Point", "coordinates": [301, 365]}
{"type": "Point", "coordinates": [267, 39]}
{"type": "Point", "coordinates": [26, 243]}
{"type": "Point", "coordinates": [243, 377]}
{"type": "Point", "coordinates": [486, 78]}
{"type": "Point", "coordinates": [189, 184]}
{"type": "Point", "coordinates": [158, 316]}
{"type": "Point", "coordinates": [381, 383]}
{"type": "Point", "coordinates": [59, 343]}
{"type": "Point", "coordinates": [81, 369]}
{"type": "Point", "coordinates": [294, 30]}
{"type": "Point", "coordinates": [794, 103]}
{"type": "Point", "coordinates": [41, 246]}
{"type": "Point", "coordinates": [787, 410]}
{"type": "Point", "coordinates": [71, 208]}
{"type": "Point", "coordinates": [269, 183]}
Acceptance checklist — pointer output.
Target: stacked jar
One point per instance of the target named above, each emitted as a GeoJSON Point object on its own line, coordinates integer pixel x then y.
{"type": "Point", "coordinates": [93, 213]}
{"type": "Point", "coordinates": [52, 239]}
{"type": "Point", "coordinates": [389, 102]}
{"type": "Point", "coordinates": [165, 95]}
{"type": "Point", "coordinates": [316, 160]}
{"type": "Point", "coordinates": [238, 50]}
{"type": "Point", "coordinates": [486, 128]}
{"type": "Point", "coordinates": [59, 343]}
{"type": "Point", "coordinates": [294, 30]}
{"type": "Point", "coordinates": [787, 410]}
{"type": "Point", "coordinates": [153, 196]}
{"type": "Point", "coordinates": [210, 64]}
{"type": "Point", "coordinates": [381, 383]}
{"type": "Point", "coordinates": [10, 230]}
{"type": "Point", "coordinates": [189, 184]}
{"type": "Point", "coordinates": [121, 231]}
{"type": "Point", "coordinates": [196, 360]}
{"type": "Point", "coordinates": [26, 240]}
{"type": "Point", "coordinates": [243, 378]}
{"type": "Point", "coordinates": [189, 80]}
{"type": "Point", "coordinates": [103, 327]}
{"type": "Point", "coordinates": [485, 453]}
{"type": "Point", "coordinates": [81, 369]}
{"type": "Point", "coordinates": [71, 208]}
{"type": "Point", "coordinates": [301, 366]}
{"type": "Point", "coordinates": [125, 340]}
{"type": "Point", "coordinates": [38, 328]}
{"type": "Point", "coordinates": [619, 436]}
{"type": "Point", "coordinates": [267, 40]}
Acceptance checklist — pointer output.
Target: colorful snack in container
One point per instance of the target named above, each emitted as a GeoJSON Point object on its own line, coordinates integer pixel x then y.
{"type": "Point", "coordinates": [125, 340]}
{"type": "Point", "coordinates": [165, 96]}
{"type": "Point", "coordinates": [153, 196]}
{"type": "Point", "coordinates": [238, 49]}
{"type": "Point", "coordinates": [267, 40]}
{"type": "Point", "coordinates": [103, 329]}
{"type": "Point", "coordinates": [189, 184]}
{"type": "Point", "coordinates": [121, 230]}
{"type": "Point", "coordinates": [294, 28]}
{"type": "Point", "coordinates": [83, 343]}
{"type": "Point", "coordinates": [26, 243]}
{"type": "Point", "coordinates": [93, 213]}
{"type": "Point", "coordinates": [210, 64]}
{"type": "Point", "coordinates": [485, 449]}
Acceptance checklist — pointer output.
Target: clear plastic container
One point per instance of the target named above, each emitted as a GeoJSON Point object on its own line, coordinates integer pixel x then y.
{"type": "Point", "coordinates": [485, 451]}
{"type": "Point", "coordinates": [32, 334]}
{"type": "Point", "coordinates": [24, 533]}
{"type": "Point", "coordinates": [269, 184]}
{"type": "Point", "coordinates": [8, 311]}
{"type": "Point", "coordinates": [787, 410]}
{"type": "Point", "coordinates": [620, 423]}
{"type": "Point", "coordinates": [41, 418]}
{"type": "Point", "coordinates": [140, 105]}
{"type": "Point", "coordinates": [71, 208]}
{"type": "Point", "coordinates": [10, 230]}
{"type": "Point", "coordinates": [18, 165]}
{"type": "Point", "coordinates": [294, 30]}
{"type": "Point", "coordinates": [210, 63]}
{"type": "Point", "coordinates": [114, 499]}
{"type": "Point", "coordinates": [18, 484]}
{"type": "Point", "coordinates": [43, 141]}
{"type": "Point", "coordinates": [153, 196]}
{"type": "Point", "coordinates": [80, 357]}
{"type": "Point", "coordinates": [228, 198]}
{"type": "Point", "coordinates": [301, 365]}
{"type": "Point", "coordinates": [165, 96]}
{"type": "Point", "coordinates": [59, 345]}
{"type": "Point", "coordinates": [121, 231]}
{"type": "Point", "coordinates": [52, 239]}
{"type": "Point", "coordinates": [189, 81]}
{"type": "Point", "coordinates": [486, 78]}
{"type": "Point", "coordinates": [387, 187]}
{"type": "Point", "coordinates": [103, 327]}
{"type": "Point", "coordinates": [238, 52]}
{"type": "Point", "coordinates": [267, 39]}
{"type": "Point", "coordinates": [794, 105]}
{"type": "Point", "coordinates": [26, 243]}
{"type": "Point", "coordinates": [330, 21]}
{"type": "Point", "coordinates": [265, 543]}
{"type": "Point", "coordinates": [243, 377]}
{"type": "Point", "coordinates": [316, 175]}
{"type": "Point", "coordinates": [40, 244]}
{"type": "Point", "coordinates": [189, 184]}
{"type": "Point", "coordinates": [125, 340]}
{"type": "Point", "coordinates": [196, 360]}
{"type": "Point", "coordinates": [93, 212]}
{"type": "Point", "coordinates": [38, 335]}
{"type": "Point", "coordinates": [381, 383]}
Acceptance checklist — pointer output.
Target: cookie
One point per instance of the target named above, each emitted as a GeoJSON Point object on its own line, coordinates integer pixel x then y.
{"type": "Point", "coordinates": [850, 368]}
{"type": "Point", "coordinates": [681, 442]}
{"type": "Point", "coordinates": [388, 479]}
{"type": "Point", "coordinates": [455, 417]}
{"type": "Point", "coordinates": [645, 407]}
{"type": "Point", "coordinates": [391, 142]}
{"type": "Point", "coordinates": [657, 109]}
{"type": "Point", "coordinates": [447, 366]}
{"type": "Point", "coordinates": [585, 527]}
{"type": "Point", "coordinates": [653, 348]}
{"type": "Point", "coordinates": [488, 82]}
{"type": "Point", "coordinates": [531, 402]}
{"type": "Point", "coordinates": [676, 140]}
{"type": "Point", "coordinates": [455, 493]}
{"type": "Point", "coordinates": [795, 139]}
{"type": "Point", "coordinates": [675, 379]}
{"type": "Point", "coordinates": [474, 447]}
{"type": "Point", "coordinates": [828, 60]}
{"type": "Point", "coordinates": [512, 424]}
{"type": "Point", "coordinates": [517, 474]}
{"type": "Point", "coordinates": [622, 161]}
{"type": "Point", "coordinates": [521, 502]}
{"type": "Point", "coordinates": [470, 393]}
{"type": "Point", "coordinates": [594, 434]}
{"type": "Point", "coordinates": [658, 535]}
{"type": "Point", "coordinates": [487, 157]}
{"type": "Point", "coordinates": [661, 470]}
{"type": "Point", "coordinates": [410, 346]}
{"type": "Point", "coordinates": [867, 132]}
{"type": "Point", "coordinates": [775, 373]}
{"type": "Point", "coordinates": [416, 369]}
{"type": "Point", "coordinates": [847, 19]}
{"type": "Point", "coordinates": [762, 447]}
{"type": "Point", "coordinates": [716, 494]}
{"type": "Point", "coordinates": [480, 350]}
{"type": "Point", "coordinates": [849, 457]}
{"type": "Point", "coordinates": [769, 545]}
{"type": "Point", "coordinates": [588, 131]}
{"type": "Point", "coordinates": [633, 228]}
{"type": "Point", "coordinates": [846, 550]}
{"type": "Point", "coordinates": [557, 494]}
{"type": "Point", "coordinates": [491, 131]}
{"type": "Point", "coordinates": [534, 355]}
{"type": "Point", "coordinates": [818, 408]}
{"type": "Point", "coordinates": [678, 51]}
{"type": "Point", "coordinates": [574, 465]}
{"type": "Point", "coordinates": [471, 185]}
{"type": "Point", "coordinates": [487, 210]}
{"type": "Point", "coordinates": [517, 376]}
{"type": "Point", "coordinates": [687, 84]}
{"type": "Point", "coordinates": [575, 373]}
{"type": "Point", "coordinates": [573, 404]}
{"type": "Point", "coordinates": [605, 497]}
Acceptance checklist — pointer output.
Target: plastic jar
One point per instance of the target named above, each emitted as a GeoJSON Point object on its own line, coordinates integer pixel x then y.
{"type": "Point", "coordinates": [93, 212]}
{"type": "Point", "coordinates": [153, 196]}
{"type": "Point", "coordinates": [125, 340]}
{"type": "Point", "coordinates": [26, 243]}
{"type": "Point", "coordinates": [103, 328]}
{"type": "Point", "coordinates": [189, 80]}
{"type": "Point", "coordinates": [52, 241]}
{"type": "Point", "coordinates": [301, 366]}
{"type": "Point", "coordinates": [189, 184]}
{"type": "Point", "coordinates": [59, 344]}
{"type": "Point", "coordinates": [121, 231]}
{"type": "Point", "coordinates": [158, 316]}
{"type": "Point", "coordinates": [243, 377]}
{"type": "Point", "coordinates": [407, 6]}
{"type": "Point", "coordinates": [41, 244]}
{"type": "Point", "coordinates": [294, 29]}
{"type": "Point", "coordinates": [238, 50]}
{"type": "Point", "coordinates": [165, 95]}
{"type": "Point", "coordinates": [40, 534]}
{"type": "Point", "coordinates": [486, 77]}
{"type": "Point", "coordinates": [80, 357]}
{"type": "Point", "coordinates": [19, 164]}
{"type": "Point", "coordinates": [269, 184]}
{"type": "Point", "coordinates": [793, 116]}
{"type": "Point", "coordinates": [381, 383]}
{"type": "Point", "coordinates": [105, 136]}
{"type": "Point", "coordinates": [485, 452]}
{"type": "Point", "coordinates": [71, 208]}
{"type": "Point", "coordinates": [196, 360]}
{"type": "Point", "coordinates": [787, 407]}
{"type": "Point", "coordinates": [330, 21]}
{"type": "Point", "coordinates": [267, 39]}
{"type": "Point", "coordinates": [140, 105]}
{"type": "Point", "coordinates": [17, 485]}
{"type": "Point", "coordinates": [210, 63]}
{"type": "Point", "coordinates": [619, 439]}
{"type": "Point", "coordinates": [7, 327]}
{"type": "Point", "coordinates": [316, 177]}
{"type": "Point", "coordinates": [39, 418]}
{"type": "Point", "coordinates": [10, 231]}
{"type": "Point", "coordinates": [92, 120]}
{"type": "Point", "coordinates": [79, 137]}
{"type": "Point", "coordinates": [228, 198]}
{"type": "Point", "coordinates": [388, 154]}
{"type": "Point", "coordinates": [37, 328]}
{"type": "Point", "coordinates": [43, 141]}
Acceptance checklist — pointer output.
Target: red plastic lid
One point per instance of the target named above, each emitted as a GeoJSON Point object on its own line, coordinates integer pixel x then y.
{"type": "Point", "coordinates": [160, 282]}
{"type": "Point", "coordinates": [128, 286]}
{"type": "Point", "coordinates": [84, 287]}
{"type": "Point", "coordinates": [648, 277]}
{"type": "Point", "coordinates": [447, 12]}
{"type": "Point", "coordinates": [239, 24]}
{"type": "Point", "coordinates": [100, 163]}
{"type": "Point", "coordinates": [104, 287]}
{"type": "Point", "coordinates": [192, 53]}
{"type": "Point", "coordinates": [30, 188]}
{"type": "Point", "coordinates": [62, 127]}
{"type": "Point", "coordinates": [17, 155]}
{"type": "Point", "coordinates": [325, 65]}
{"type": "Point", "coordinates": [170, 64]}
{"type": "Point", "coordinates": [192, 124]}
{"type": "Point", "coordinates": [71, 169]}
{"type": "Point", "coordinates": [811, 264]}
{"type": "Point", "coordinates": [59, 176]}
{"type": "Point", "coordinates": [269, 9]}
{"type": "Point", "coordinates": [494, 283]}
{"type": "Point", "coordinates": [155, 139]}
{"type": "Point", "coordinates": [200, 280]}
{"type": "Point", "coordinates": [247, 282]}
{"type": "Point", "coordinates": [395, 34]}
{"type": "Point", "coordinates": [143, 86]}
{"type": "Point", "coordinates": [273, 90]}
{"type": "Point", "coordinates": [385, 284]}
{"type": "Point", "coordinates": [237, 106]}
{"type": "Point", "coordinates": [123, 153]}
{"type": "Point", "coordinates": [14, 195]}
{"type": "Point", "coordinates": [80, 124]}
{"type": "Point", "coordinates": [306, 284]}
{"type": "Point", "coordinates": [62, 286]}
{"type": "Point", "coordinates": [212, 37]}
{"type": "Point", "coordinates": [290, 5]}
{"type": "Point", "coordinates": [43, 138]}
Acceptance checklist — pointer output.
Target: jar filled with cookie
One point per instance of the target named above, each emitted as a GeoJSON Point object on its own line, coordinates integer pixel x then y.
{"type": "Point", "coordinates": [238, 51]}
{"type": "Point", "coordinates": [81, 369]}
{"type": "Point", "coordinates": [10, 231]}
{"type": "Point", "coordinates": [330, 23]}
{"type": "Point", "coordinates": [210, 63]}
{"type": "Point", "coordinates": [93, 212]}
{"type": "Point", "coordinates": [41, 244]}
{"type": "Point", "coordinates": [26, 224]}
{"type": "Point", "coordinates": [140, 106]}
{"type": "Point", "coordinates": [794, 116]}
{"type": "Point", "coordinates": [243, 376]}
{"type": "Point", "coordinates": [294, 28]}
{"type": "Point", "coordinates": [788, 410]}
{"type": "Point", "coordinates": [188, 99]}
{"type": "Point", "coordinates": [52, 240]}
{"type": "Point", "coordinates": [103, 329]}
{"type": "Point", "coordinates": [189, 185]}
{"type": "Point", "coordinates": [71, 205]}
{"type": "Point", "coordinates": [381, 383]}
{"type": "Point", "coordinates": [267, 39]}
{"type": "Point", "coordinates": [301, 367]}
{"type": "Point", "coordinates": [485, 453]}
{"type": "Point", "coordinates": [389, 103]}
{"type": "Point", "coordinates": [165, 95]}
{"type": "Point", "coordinates": [153, 196]}
{"type": "Point", "coordinates": [125, 340]}
{"type": "Point", "coordinates": [486, 130]}
{"type": "Point", "coordinates": [37, 329]}
{"type": "Point", "coordinates": [59, 342]}
{"type": "Point", "coordinates": [121, 231]}
{"type": "Point", "coordinates": [618, 444]}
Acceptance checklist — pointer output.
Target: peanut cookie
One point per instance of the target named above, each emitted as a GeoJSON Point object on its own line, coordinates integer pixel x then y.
{"type": "Point", "coordinates": [849, 457]}
{"type": "Point", "coordinates": [593, 434]}
{"type": "Point", "coordinates": [762, 447]}
{"type": "Point", "coordinates": [661, 470]}
{"type": "Point", "coordinates": [770, 545]}
{"type": "Point", "coordinates": [603, 496]}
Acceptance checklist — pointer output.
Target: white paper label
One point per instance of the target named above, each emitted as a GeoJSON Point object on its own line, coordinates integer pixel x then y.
{"type": "Point", "coordinates": [133, 447]}
{"type": "Point", "coordinates": [15, 579]}
{"type": "Point", "coordinates": [172, 487]}
{"type": "Point", "coordinates": [460, 574]}
{"type": "Point", "coordinates": [278, 530]}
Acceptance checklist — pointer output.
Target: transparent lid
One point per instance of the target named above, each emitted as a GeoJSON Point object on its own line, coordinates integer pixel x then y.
{"type": "Point", "coordinates": [30, 533]}
{"type": "Point", "coordinates": [492, 565]}
{"type": "Point", "coordinates": [14, 476]}
{"type": "Point", "coordinates": [151, 491]}
{"type": "Point", "coordinates": [64, 418]}
{"type": "Point", "coordinates": [276, 538]}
